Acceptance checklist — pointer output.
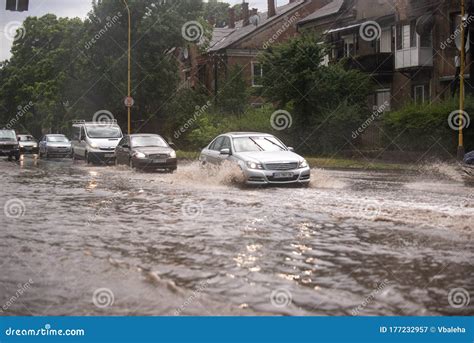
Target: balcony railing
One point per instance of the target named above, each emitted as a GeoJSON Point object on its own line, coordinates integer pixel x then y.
{"type": "Point", "coordinates": [377, 63]}
{"type": "Point", "coordinates": [413, 58]}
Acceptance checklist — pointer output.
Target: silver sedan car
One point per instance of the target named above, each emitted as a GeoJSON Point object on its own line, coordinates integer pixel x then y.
{"type": "Point", "coordinates": [263, 158]}
{"type": "Point", "coordinates": [55, 145]}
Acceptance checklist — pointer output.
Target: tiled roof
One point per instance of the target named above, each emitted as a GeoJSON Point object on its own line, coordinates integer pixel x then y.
{"type": "Point", "coordinates": [332, 8]}
{"type": "Point", "coordinates": [224, 37]}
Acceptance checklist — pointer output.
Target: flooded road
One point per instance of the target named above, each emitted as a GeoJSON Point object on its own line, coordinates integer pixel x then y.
{"type": "Point", "coordinates": [89, 240]}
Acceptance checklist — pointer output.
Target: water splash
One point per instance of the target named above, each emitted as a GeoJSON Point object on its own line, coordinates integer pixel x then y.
{"type": "Point", "coordinates": [442, 170]}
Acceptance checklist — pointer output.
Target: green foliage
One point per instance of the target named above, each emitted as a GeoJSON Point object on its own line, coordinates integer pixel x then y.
{"type": "Point", "coordinates": [218, 11]}
{"type": "Point", "coordinates": [327, 102]}
{"type": "Point", "coordinates": [233, 95]}
{"type": "Point", "coordinates": [71, 69]}
{"type": "Point", "coordinates": [211, 124]}
{"type": "Point", "coordinates": [422, 127]}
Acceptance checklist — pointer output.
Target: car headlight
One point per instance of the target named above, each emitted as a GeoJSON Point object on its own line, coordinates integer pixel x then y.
{"type": "Point", "coordinates": [94, 146]}
{"type": "Point", "coordinates": [253, 165]}
{"type": "Point", "coordinates": [303, 164]}
{"type": "Point", "coordinates": [139, 155]}
{"type": "Point", "coordinates": [173, 154]}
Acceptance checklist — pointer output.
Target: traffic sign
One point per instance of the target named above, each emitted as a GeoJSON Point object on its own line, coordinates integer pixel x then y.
{"type": "Point", "coordinates": [129, 101]}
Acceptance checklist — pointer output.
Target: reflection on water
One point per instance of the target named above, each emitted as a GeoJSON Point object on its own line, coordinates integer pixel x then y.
{"type": "Point", "coordinates": [198, 242]}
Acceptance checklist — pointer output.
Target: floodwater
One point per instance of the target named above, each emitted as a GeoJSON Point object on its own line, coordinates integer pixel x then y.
{"type": "Point", "coordinates": [91, 240]}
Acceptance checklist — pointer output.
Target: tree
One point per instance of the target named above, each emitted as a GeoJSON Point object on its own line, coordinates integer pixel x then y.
{"type": "Point", "coordinates": [71, 69]}
{"type": "Point", "coordinates": [216, 11]}
{"type": "Point", "coordinates": [233, 96]}
{"type": "Point", "coordinates": [320, 96]}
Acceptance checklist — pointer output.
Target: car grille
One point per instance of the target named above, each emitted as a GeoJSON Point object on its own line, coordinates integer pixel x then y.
{"type": "Point", "coordinates": [158, 156]}
{"type": "Point", "coordinates": [281, 166]}
{"type": "Point", "coordinates": [288, 179]}
{"type": "Point", "coordinates": [107, 149]}
{"type": "Point", "coordinates": [7, 147]}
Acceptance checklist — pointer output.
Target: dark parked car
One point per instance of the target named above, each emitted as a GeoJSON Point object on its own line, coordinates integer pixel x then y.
{"type": "Point", "coordinates": [55, 146]}
{"type": "Point", "coordinates": [147, 152]}
{"type": "Point", "coordinates": [9, 145]}
{"type": "Point", "coordinates": [28, 144]}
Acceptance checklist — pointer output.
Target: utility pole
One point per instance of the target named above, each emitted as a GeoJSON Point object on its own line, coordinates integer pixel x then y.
{"type": "Point", "coordinates": [129, 100]}
{"type": "Point", "coordinates": [461, 77]}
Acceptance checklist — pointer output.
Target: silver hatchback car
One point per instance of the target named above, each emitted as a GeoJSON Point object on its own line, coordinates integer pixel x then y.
{"type": "Point", "coordinates": [263, 158]}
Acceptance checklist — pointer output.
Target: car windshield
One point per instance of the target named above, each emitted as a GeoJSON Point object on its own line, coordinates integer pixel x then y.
{"type": "Point", "coordinates": [7, 135]}
{"type": "Point", "coordinates": [26, 138]}
{"type": "Point", "coordinates": [256, 143]}
{"type": "Point", "coordinates": [57, 139]}
{"type": "Point", "coordinates": [104, 132]}
{"type": "Point", "coordinates": [148, 141]}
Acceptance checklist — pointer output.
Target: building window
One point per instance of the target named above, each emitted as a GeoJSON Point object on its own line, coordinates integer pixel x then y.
{"type": "Point", "coordinates": [257, 74]}
{"type": "Point", "coordinates": [421, 93]}
{"type": "Point", "coordinates": [349, 46]}
{"type": "Point", "coordinates": [406, 36]}
{"type": "Point", "coordinates": [383, 99]}
{"type": "Point", "coordinates": [385, 42]}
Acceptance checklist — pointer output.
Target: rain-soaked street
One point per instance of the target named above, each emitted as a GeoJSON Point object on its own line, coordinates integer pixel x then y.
{"type": "Point", "coordinates": [91, 240]}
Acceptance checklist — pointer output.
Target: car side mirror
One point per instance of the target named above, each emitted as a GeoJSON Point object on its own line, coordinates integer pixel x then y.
{"type": "Point", "coordinates": [291, 149]}
{"type": "Point", "coordinates": [225, 152]}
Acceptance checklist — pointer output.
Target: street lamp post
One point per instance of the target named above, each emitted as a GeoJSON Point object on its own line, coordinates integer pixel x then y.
{"type": "Point", "coordinates": [461, 90]}
{"type": "Point", "coordinates": [129, 85]}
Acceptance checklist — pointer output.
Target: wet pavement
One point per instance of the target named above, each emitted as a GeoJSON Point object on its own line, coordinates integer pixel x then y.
{"type": "Point", "coordinates": [91, 240]}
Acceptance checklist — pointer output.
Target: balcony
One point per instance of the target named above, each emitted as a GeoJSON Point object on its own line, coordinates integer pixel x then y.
{"type": "Point", "coordinates": [381, 64]}
{"type": "Point", "coordinates": [413, 58]}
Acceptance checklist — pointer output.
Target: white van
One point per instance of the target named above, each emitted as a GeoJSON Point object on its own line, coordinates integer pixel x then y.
{"type": "Point", "coordinates": [95, 142]}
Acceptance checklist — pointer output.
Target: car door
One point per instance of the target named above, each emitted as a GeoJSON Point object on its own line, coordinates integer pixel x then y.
{"type": "Point", "coordinates": [226, 144]}
{"type": "Point", "coordinates": [213, 154]}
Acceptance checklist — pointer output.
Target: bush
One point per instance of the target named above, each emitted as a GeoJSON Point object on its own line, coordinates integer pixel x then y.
{"type": "Point", "coordinates": [419, 127]}
{"type": "Point", "coordinates": [211, 124]}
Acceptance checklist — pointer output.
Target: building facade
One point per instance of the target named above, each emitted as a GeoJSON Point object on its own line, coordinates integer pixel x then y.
{"type": "Point", "coordinates": [408, 47]}
{"type": "Point", "coordinates": [241, 41]}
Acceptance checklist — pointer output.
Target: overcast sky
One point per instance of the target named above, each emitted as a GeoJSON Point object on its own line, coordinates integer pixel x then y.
{"type": "Point", "coordinates": [66, 8]}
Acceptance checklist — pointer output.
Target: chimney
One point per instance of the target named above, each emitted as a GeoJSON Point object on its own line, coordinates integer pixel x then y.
{"type": "Point", "coordinates": [231, 18]}
{"type": "Point", "coordinates": [271, 8]}
{"type": "Point", "coordinates": [245, 13]}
